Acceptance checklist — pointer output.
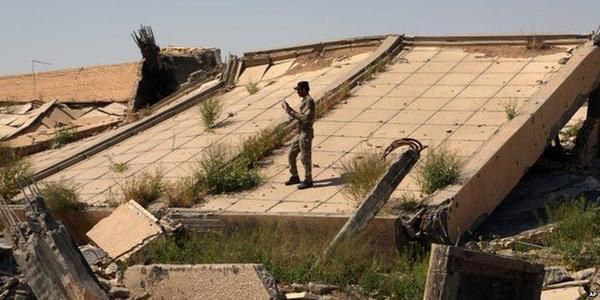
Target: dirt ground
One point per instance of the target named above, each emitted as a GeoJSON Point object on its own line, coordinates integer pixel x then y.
{"type": "Point", "coordinates": [106, 83]}
{"type": "Point", "coordinates": [512, 51]}
{"type": "Point", "coordinates": [316, 61]}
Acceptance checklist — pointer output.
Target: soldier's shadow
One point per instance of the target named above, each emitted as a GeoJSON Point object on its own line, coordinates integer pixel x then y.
{"type": "Point", "coordinates": [328, 182]}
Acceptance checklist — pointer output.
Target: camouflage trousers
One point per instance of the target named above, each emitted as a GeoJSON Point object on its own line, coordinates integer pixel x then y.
{"type": "Point", "coordinates": [301, 144]}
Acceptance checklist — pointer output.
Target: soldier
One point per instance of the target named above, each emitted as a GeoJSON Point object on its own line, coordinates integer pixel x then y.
{"type": "Point", "coordinates": [302, 142]}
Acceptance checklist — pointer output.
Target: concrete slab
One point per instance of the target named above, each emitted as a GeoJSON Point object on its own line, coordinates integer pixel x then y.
{"type": "Point", "coordinates": [252, 74]}
{"type": "Point", "coordinates": [218, 281]}
{"type": "Point", "coordinates": [126, 229]}
{"type": "Point", "coordinates": [569, 293]}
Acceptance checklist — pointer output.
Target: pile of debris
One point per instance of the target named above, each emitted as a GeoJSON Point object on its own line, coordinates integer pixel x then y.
{"type": "Point", "coordinates": [30, 128]}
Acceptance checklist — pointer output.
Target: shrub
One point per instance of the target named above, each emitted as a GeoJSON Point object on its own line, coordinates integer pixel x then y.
{"type": "Point", "coordinates": [220, 173]}
{"type": "Point", "coordinates": [510, 108]}
{"type": "Point", "coordinates": [257, 147]}
{"type": "Point", "coordinates": [361, 173]}
{"type": "Point", "coordinates": [210, 110]}
{"type": "Point", "coordinates": [64, 135]}
{"type": "Point", "coordinates": [252, 87]}
{"type": "Point", "coordinates": [13, 171]}
{"type": "Point", "coordinates": [184, 192]}
{"type": "Point", "coordinates": [61, 197]}
{"type": "Point", "coordinates": [440, 168]}
{"type": "Point", "coordinates": [144, 188]}
{"type": "Point", "coordinates": [576, 236]}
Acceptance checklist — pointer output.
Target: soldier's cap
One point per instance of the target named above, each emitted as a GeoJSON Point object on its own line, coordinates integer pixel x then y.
{"type": "Point", "coordinates": [302, 85]}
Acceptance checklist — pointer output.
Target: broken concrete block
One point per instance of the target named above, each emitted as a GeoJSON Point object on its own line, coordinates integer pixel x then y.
{"type": "Point", "coordinates": [219, 281]}
{"type": "Point", "coordinates": [321, 289]}
{"type": "Point", "coordinates": [49, 259]}
{"type": "Point", "coordinates": [456, 273]}
{"type": "Point", "coordinates": [119, 292]}
{"type": "Point", "coordinates": [92, 255]}
{"type": "Point", "coordinates": [569, 293]}
{"type": "Point", "coordinates": [125, 231]}
{"type": "Point", "coordinates": [556, 274]}
{"type": "Point", "coordinates": [584, 274]}
{"type": "Point", "coordinates": [302, 296]}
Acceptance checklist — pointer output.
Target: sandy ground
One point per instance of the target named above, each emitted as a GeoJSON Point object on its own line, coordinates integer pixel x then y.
{"type": "Point", "coordinates": [106, 83]}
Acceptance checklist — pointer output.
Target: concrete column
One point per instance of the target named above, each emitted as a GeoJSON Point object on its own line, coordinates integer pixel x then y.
{"type": "Point", "coordinates": [586, 145]}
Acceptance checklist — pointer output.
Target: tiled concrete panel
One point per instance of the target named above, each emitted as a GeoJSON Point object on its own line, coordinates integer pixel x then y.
{"type": "Point", "coordinates": [252, 74]}
{"type": "Point", "coordinates": [125, 229]}
{"type": "Point", "coordinates": [278, 69]}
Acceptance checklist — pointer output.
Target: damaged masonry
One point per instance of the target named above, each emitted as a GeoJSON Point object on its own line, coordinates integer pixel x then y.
{"type": "Point", "coordinates": [506, 116]}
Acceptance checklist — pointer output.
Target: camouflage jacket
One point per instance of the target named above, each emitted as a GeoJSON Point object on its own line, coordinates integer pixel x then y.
{"type": "Point", "coordinates": [306, 115]}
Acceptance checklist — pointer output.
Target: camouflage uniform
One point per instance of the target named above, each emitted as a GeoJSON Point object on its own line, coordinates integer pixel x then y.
{"type": "Point", "coordinates": [303, 141]}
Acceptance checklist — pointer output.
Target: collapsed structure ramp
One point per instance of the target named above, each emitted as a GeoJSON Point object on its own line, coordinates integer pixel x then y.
{"type": "Point", "coordinates": [447, 92]}
{"type": "Point", "coordinates": [173, 145]}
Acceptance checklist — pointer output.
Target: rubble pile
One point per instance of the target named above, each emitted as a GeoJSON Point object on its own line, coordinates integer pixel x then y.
{"type": "Point", "coordinates": [48, 257]}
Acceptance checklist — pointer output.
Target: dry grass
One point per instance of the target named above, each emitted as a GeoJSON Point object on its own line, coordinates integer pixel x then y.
{"type": "Point", "coordinates": [361, 173]}
{"type": "Point", "coordinates": [184, 192]}
{"type": "Point", "coordinates": [144, 188]}
{"type": "Point", "coordinates": [289, 253]}
{"type": "Point", "coordinates": [61, 197]}
{"type": "Point", "coordinates": [440, 168]}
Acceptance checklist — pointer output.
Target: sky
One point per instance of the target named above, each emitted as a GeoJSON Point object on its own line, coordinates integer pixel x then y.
{"type": "Point", "coordinates": [81, 33]}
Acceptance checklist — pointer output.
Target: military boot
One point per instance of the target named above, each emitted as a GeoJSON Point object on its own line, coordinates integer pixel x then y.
{"type": "Point", "coordinates": [293, 180]}
{"type": "Point", "coordinates": [305, 184]}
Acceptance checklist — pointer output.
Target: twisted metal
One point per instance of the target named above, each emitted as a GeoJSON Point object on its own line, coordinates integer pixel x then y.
{"type": "Point", "coordinates": [410, 142]}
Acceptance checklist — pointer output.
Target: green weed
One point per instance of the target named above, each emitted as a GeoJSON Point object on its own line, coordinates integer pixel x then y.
{"type": "Point", "coordinates": [13, 171]}
{"type": "Point", "coordinates": [439, 169]}
{"type": "Point", "coordinates": [220, 173]}
{"type": "Point", "coordinates": [210, 110]}
{"type": "Point", "coordinates": [63, 136]}
{"type": "Point", "coordinates": [577, 236]}
{"type": "Point", "coordinates": [252, 87]}
{"type": "Point", "coordinates": [510, 108]}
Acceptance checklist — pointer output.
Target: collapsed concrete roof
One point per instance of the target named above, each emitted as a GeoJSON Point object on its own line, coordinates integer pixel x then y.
{"type": "Point", "coordinates": [443, 91]}
{"type": "Point", "coordinates": [177, 142]}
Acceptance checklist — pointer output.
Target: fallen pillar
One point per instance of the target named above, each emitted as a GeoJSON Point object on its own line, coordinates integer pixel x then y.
{"type": "Point", "coordinates": [382, 191]}
{"type": "Point", "coordinates": [219, 281]}
{"type": "Point", "coordinates": [456, 273]}
{"type": "Point", "coordinates": [48, 257]}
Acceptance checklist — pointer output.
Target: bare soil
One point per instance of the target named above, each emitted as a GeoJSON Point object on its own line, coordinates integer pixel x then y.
{"type": "Point", "coordinates": [316, 61]}
{"type": "Point", "coordinates": [512, 51]}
